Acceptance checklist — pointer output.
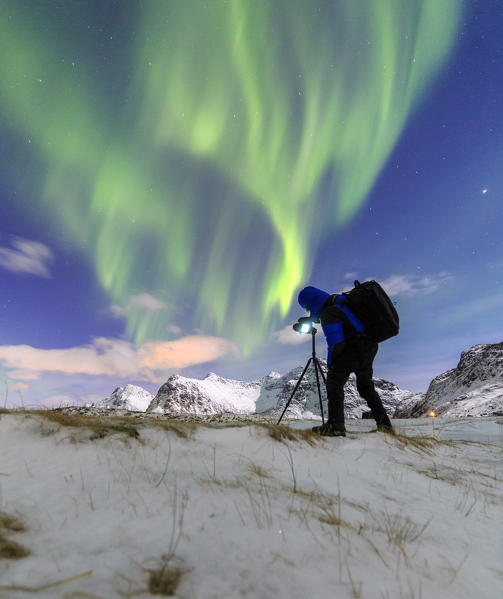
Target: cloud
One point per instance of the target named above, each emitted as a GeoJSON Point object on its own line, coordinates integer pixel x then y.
{"type": "Point", "coordinates": [288, 336]}
{"type": "Point", "coordinates": [412, 285]}
{"type": "Point", "coordinates": [350, 275]}
{"type": "Point", "coordinates": [143, 301]}
{"type": "Point", "coordinates": [103, 354]}
{"type": "Point", "coordinates": [23, 374]}
{"type": "Point", "coordinates": [26, 256]}
{"type": "Point", "coordinates": [187, 351]}
{"type": "Point", "coordinates": [172, 328]}
{"type": "Point", "coordinates": [114, 357]}
{"type": "Point", "coordinates": [18, 386]}
{"type": "Point", "coordinates": [146, 301]}
{"type": "Point", "coordinates": [117, 311]}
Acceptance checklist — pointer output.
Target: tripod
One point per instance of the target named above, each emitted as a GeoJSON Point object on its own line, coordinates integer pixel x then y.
{"type": "Point", "coordinates": [317, 368]}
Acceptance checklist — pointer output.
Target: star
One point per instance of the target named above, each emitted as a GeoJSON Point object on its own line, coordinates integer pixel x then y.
{"type": "Point", "coordinates": [484, 191]}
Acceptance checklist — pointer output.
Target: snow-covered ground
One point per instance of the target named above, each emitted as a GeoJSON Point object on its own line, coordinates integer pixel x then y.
{"type": "Point", "coordinates": [238, 513]}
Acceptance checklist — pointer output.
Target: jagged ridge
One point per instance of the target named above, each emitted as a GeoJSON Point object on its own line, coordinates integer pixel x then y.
{"type": "Point", "coordinates": [268, 395]}
{"type": "Point", "coordinates": [473, 388]}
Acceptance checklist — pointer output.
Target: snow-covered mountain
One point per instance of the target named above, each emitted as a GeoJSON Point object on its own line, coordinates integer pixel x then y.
{"type": "Point", "coordinates": [130, 397]}
{"type": "Point", "coordinates": [305, 402]}
{"type": "Point", "coordinates": [473, 388]}
{"type": "Point", "coordinates": [214, 394]}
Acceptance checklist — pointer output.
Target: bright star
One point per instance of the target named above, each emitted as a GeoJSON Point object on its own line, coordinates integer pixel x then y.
{"type": "Point", "coordinates": [484, 190]}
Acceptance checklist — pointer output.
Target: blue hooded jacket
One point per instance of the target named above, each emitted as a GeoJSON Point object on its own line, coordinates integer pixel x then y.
{"type": "Point", "coordinates": [314, 299]}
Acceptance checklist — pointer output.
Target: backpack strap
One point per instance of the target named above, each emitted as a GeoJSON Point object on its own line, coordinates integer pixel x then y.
{"type": "Point", "coordinates": [356, 325]}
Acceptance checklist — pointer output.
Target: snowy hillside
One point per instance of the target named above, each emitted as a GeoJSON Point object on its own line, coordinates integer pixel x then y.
{"type": "Point", "coordinates": [129, 397]}
{"type": "Point", "coordinates": [214, 394]}
{"type": "Point", "coordinates": [305, 402]}
{"type": "Point", "coordinates": [473, 388]}
{"type": "Point", "coordinates": [140, 505]}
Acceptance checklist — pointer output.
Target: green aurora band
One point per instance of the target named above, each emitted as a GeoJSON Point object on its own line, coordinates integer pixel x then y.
{"type": "Point", "coordinates": [199, 184]}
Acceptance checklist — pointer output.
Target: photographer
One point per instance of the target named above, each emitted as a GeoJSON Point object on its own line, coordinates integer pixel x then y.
{"type": "Point", "coordinates": [349, 350]}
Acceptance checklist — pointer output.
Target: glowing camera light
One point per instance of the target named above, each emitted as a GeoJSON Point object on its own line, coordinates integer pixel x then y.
{"type": "Point", "coordinates": [304, 325]}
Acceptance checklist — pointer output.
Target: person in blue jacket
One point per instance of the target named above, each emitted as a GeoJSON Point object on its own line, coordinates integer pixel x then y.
{"type": "Point", "coordinates": [349, 350]}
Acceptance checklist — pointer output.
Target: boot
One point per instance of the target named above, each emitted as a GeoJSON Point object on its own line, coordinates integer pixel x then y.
{"type": "Point", "coordinates": [386, 428]}
{"type": "Point", "coordinates": [329, 429]}
{"type": "Point", "coordinates": [384, 423]}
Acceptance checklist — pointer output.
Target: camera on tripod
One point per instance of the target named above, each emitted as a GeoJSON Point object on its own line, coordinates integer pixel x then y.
{"type": "Point", "coordinates": [305, 325]}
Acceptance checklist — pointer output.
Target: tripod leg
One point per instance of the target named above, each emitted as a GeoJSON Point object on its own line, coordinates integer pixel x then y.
{"type": "Point", "coordinates": [296, 387]}
{"type": "Point", "coordinates": [321, 371]}
{"type": "Point", "coordinates": [316, 366]}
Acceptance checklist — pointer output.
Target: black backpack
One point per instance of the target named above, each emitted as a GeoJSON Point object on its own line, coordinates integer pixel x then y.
{"type": "Point", "coordinates": [373, 307]}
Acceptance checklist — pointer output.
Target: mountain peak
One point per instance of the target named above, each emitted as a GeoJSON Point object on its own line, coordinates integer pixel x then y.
{"type": "Point", "coordinates": [473, 388]}
{"type": "Point", "coordinates": [130, 397]}
{"type": "Point", "coordinates": [268, 395]}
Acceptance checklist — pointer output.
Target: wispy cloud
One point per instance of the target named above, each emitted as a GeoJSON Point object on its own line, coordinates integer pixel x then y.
{"type": "Point", "coordinates": [117, 311]}
{"type": "Point", "coordinates": [19, 386]}
{"type": "Point", "coordinates": [404, 285]}
{"type": "Point", "coordinates": [23, 375]}
{"type": "Point", "coordinates": [26, 256]}
{"type": "Point", "coordinates": [412, 285]}
{"type": "Point", "coordinates": [350, 276]}
{"type": "Point", "coordinates": [288, 336]}
{"type": "Point", "coordinates": [186, 351]}
{"type": "Point", "coordinates": [147, 302]}
{"type": "Point", "coordinates": [114, 357]}
{"type": "Point", "coordinates": [142, 301]}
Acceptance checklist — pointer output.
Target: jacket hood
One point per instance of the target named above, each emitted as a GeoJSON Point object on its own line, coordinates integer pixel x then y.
{"type": "Point", "coordinates": [313, 299]}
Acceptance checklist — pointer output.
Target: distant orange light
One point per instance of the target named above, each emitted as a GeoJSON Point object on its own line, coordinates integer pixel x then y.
{"type": "Point", "coordinates": [432, 414]}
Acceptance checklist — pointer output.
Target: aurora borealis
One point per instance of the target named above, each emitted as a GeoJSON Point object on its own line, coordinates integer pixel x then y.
{"type": "Point", "coordinates": [203, 153]}
{"type": "Point", "coordinates": [266, 98]}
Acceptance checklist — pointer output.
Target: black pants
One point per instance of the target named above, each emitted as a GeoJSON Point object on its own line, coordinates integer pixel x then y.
{"type": "Point", "coordinates": [357, 358]}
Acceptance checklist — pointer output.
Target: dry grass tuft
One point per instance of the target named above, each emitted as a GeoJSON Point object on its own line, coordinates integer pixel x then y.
{"type": "Point", "coordinates": [218, 421]}
{"type": "Point", "coordinates": [103, 426]}
{"type": "Point", "coordinates": [282, 433]}
{"type": "Point", "coordinates": [424, 445]}
{"type": "Point", "coordinates": [401, 531]}
{"type": "Point", "coordinates": [99, 427]}
{"type": "Point", "coordinates": [10, 523]}
{"type": "Point", "coordinates": [10, 549]}
{"type": "Point", "coordinates": [182, 429]}
{"type": "Point", "coordinates": [328, 515]}
{"type": "Point", "coordinates": [165, 580]}
{"type": "Point", "coordinates": [444, 473]}
{"type": "Point", "coordinates": [258, 470]}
